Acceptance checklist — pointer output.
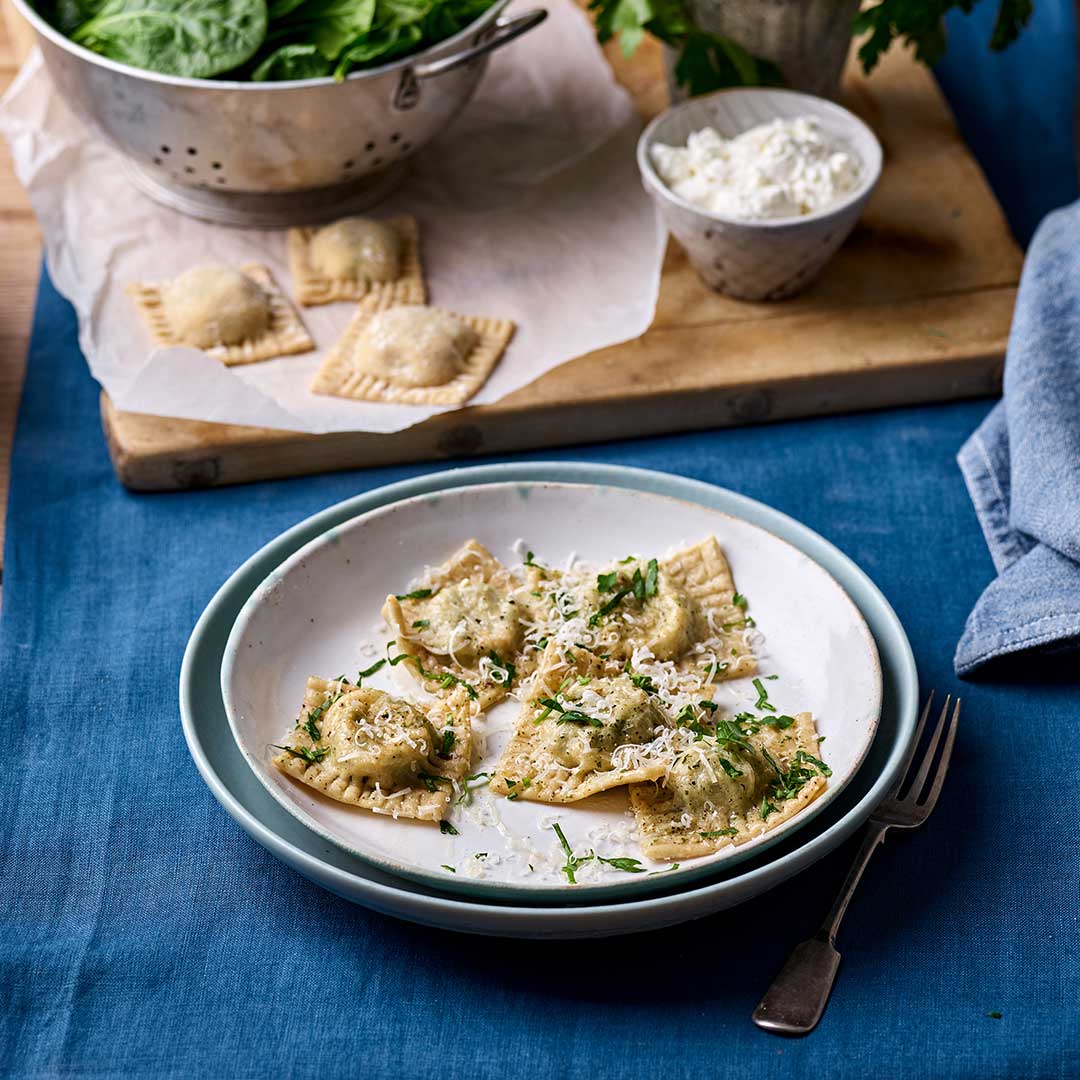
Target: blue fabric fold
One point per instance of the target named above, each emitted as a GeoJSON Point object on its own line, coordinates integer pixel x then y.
{"type": "Point", "coordinates": [1022, 465]}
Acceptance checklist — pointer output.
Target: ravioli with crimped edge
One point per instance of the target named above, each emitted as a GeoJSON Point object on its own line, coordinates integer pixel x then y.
{"type": "Point", "coordinates": [363, 746]}
{"type": "Point", "coordinates": [408, 354]}
{"type": "Point", "coordinates": [358, 258]}
{"type": "Point", "coordinates": [579, 715]}
{"type": "Point", "coordinates": [462, 627]}
{"type": "Point", "coordinates": [681, 609]}
{"type": "Point", "coordinates": [726, 782]}
{"type": "Point", "coordinates": [237, 316]}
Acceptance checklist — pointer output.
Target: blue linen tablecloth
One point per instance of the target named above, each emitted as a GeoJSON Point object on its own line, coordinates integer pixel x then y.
{"type": "Point", "coordinates": [145, 934]}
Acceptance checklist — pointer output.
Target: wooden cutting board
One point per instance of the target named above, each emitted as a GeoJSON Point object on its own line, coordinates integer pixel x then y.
{"type": "Point", "coordinates": [916, 307]}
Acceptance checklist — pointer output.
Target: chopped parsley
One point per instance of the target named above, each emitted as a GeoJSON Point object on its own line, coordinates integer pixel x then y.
{"type": "Point", "coordinates": [310, 725]}
{"type": "Point", "coordinates": [606, 582]}
{"type": "Point", "coordinates": [729, 768]}
{"type": "Point", "coordinates": [525, 782]}
{"type": "Point", "coordinates": [480, 855]}
{"type": "Point", "coordinates": [567, 716]}
{"type": "Point", "coordinates": [789, 782]}
{"type": "Point", "coordinates": [631, 866]}
{"type": "Point", "coordinates": [416, 594]}
{"type": "Point", "coordinates": [505, 666]}
{"type": "Point", "coordinates": [421, 624]}
{"type": "Point", "coordinates": [377, 666]}
{"type": "Point", "coordinates": [447, 866]}
{"type": "Point", "coordinates": [312, 757]}
{"type": "Point", "coordinates": [444, 678]}
{"type": "Point", "coordinates": [767, 808]}
{"type": "Point", "coordinates": [469, 785]}
{"type": "Point", "coordinates": [573, 863]}
{"type": "Point", "coordinates": [641, 587]}
{"type": "Point", "coordinates": [447, 829]}
{"type": "Point", "coordinates": [763, 697]}
{"type": "Point", "coordinates": [739, 600]}
{"type": "Point", "coordinates": [642, 682]}
{"type": "Point", "coordinates": [448, 740]}
{"type": "Point", "coordinates": [432, 782]}
{"type": "Point", "coordinates": [712, 834]}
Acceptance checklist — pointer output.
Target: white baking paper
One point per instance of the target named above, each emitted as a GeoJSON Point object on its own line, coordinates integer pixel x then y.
{"type": "Point", "coordinates": [530, 208]}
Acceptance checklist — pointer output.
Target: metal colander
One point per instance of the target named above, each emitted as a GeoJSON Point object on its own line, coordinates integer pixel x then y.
{"type": "Point", "coordinates": [269, 154]}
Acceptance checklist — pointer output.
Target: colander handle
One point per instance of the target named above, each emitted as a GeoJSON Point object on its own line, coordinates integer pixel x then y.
{"type": "Point", "coordinates": [504, 30]}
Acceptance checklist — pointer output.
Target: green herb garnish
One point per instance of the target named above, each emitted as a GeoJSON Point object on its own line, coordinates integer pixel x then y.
{"type": "Point", "coordinates": [448, 740]}
{"type": "Point", "coordinates": [631, 866]}
{"type": "Point", "coordinates": [421, 624]}
{"type": "Point", "coordinates": [447, 866]}
{"type": "Point", "coordinates": [447, 829]}
{"type": "Point", "coordinates": [505, 666]}
{"type": "Point", "coordinates": [416, 594]}
{"type": "Point", "coordinates": [573, 863]}
{"type": "Point", "coordinates": [432, 782]}
{"type": "Point", "coordinates": [739, 600]}
{"type": "Point", "coordinates": [468, 787]}
{"type": "Point", "coordinates": [444, 678]}
{"type": "Point", "coordinates": [606, 582]}
{"type": "Point", "coordinates": [729, 768]}
{"type": "Point", "coordinates": [763, 697]}
{"type": "Point", "coordinates": [377, 666]}
{"type": "Point", "coordinates": [719, 832]}
{"type": "Point", "coordinates": [312, 757]}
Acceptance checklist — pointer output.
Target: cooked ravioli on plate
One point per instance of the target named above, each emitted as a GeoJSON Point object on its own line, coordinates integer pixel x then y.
{"type": "Point", "coordinates": [650, 677]}
{"type": "Point", "coordinates": [365, 747]}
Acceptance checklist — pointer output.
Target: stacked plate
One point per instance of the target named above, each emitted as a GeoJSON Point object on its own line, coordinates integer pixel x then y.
{"type": "Point", "coordinates": [306, 604]}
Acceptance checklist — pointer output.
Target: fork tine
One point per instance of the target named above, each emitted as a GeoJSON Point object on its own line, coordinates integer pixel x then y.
{"type": "Point", "coordinates": [943, 764]}
{"type": "Point", "coordinates": [894, 791]}
{"type": "Point", "coordinates": [917, 784]}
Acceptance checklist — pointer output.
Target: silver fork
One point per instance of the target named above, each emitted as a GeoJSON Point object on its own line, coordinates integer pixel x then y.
{"type": "Point", "coordinates": [795, 1001]}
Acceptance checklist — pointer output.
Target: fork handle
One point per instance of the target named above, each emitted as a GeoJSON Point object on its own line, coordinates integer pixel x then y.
{"type": "Point", "coordinates": [796, 1000]}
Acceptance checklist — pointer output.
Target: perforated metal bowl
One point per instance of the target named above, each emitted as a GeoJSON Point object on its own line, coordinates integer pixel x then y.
{"type": "Point", "coordinates": [269, 154]}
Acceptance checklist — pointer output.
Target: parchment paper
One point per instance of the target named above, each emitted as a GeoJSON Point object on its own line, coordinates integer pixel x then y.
{"type": "Point", "coordinates": [530, 208]}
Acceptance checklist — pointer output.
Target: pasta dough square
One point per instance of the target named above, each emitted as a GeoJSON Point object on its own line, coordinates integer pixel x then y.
{"type": "Point", "coordinates": [340, 376]}
{"type": "Point", "coordinates": [692, 813]}
{"type": "Point", "coordinates": [531, 769]}
{"type": "Point", "coordinates": [427, 797]}
{"type": "Point", "coordinates": [313, 287]}
{"type": "Point", "coordinates": [472, 578]}
{"type": "Point", "coordinates": [286, 334]}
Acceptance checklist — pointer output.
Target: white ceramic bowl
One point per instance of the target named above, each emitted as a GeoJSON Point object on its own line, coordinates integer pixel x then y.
{"type": "Point", "coordinates": [758, 260]}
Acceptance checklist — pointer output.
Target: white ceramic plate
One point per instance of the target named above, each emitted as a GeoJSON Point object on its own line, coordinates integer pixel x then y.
{"type": "Point", "coordinates": [317, 614]}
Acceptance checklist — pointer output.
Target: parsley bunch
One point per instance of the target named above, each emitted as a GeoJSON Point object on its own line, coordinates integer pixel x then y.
{"type": "Point", "coordinates": [707, 62]}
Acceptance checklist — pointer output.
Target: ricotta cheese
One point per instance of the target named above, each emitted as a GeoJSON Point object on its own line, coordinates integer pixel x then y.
{"type": "Point", "coordinates": [782, 169]}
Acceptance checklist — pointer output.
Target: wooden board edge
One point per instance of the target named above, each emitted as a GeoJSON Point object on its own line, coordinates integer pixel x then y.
{"type": "Point", "coordinates": [275, 455]}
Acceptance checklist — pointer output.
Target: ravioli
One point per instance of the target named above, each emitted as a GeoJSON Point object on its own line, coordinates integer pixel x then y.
{"type": "Point", "coordinates": [682, 609]}
{"type": "Point", "coordinates": [463, 623]}
{"type": "Point", "coordinates": [356, 258]}
{"type": "Point", "coordinates": [703, 574]}
{"type": "Point", "coordinates": [575, 721]}
{"type": "Point", "coordinates": [235, 316]}
{"type": "Point", "coordinates": [363, 746]}
{"type": "Point", "coordinates": [639, 605]}
{"type": "Point", "coordinates": [414, 346]}
{"type": "Point", "coordinates": [412, 355]}
{"type": "Point", "coordinates": [720, 792]}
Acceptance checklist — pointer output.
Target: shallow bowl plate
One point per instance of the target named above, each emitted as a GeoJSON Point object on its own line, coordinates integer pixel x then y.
{"type": "Point", "coordinates": [317, 613]}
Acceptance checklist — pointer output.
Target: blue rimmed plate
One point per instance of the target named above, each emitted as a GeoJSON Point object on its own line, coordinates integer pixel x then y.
{"type": "Point", "coordinates": [247, 800]}
{"type": "Point", "coordinates": [314, 614]}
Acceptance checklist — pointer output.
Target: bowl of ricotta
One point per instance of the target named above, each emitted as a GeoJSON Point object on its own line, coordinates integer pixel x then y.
{"type": "Point", "coordinates": [760, 186]}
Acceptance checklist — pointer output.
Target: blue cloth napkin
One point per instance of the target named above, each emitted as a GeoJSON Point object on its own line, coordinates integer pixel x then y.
{"type": "Point", "coordinates": [1022, 465]}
